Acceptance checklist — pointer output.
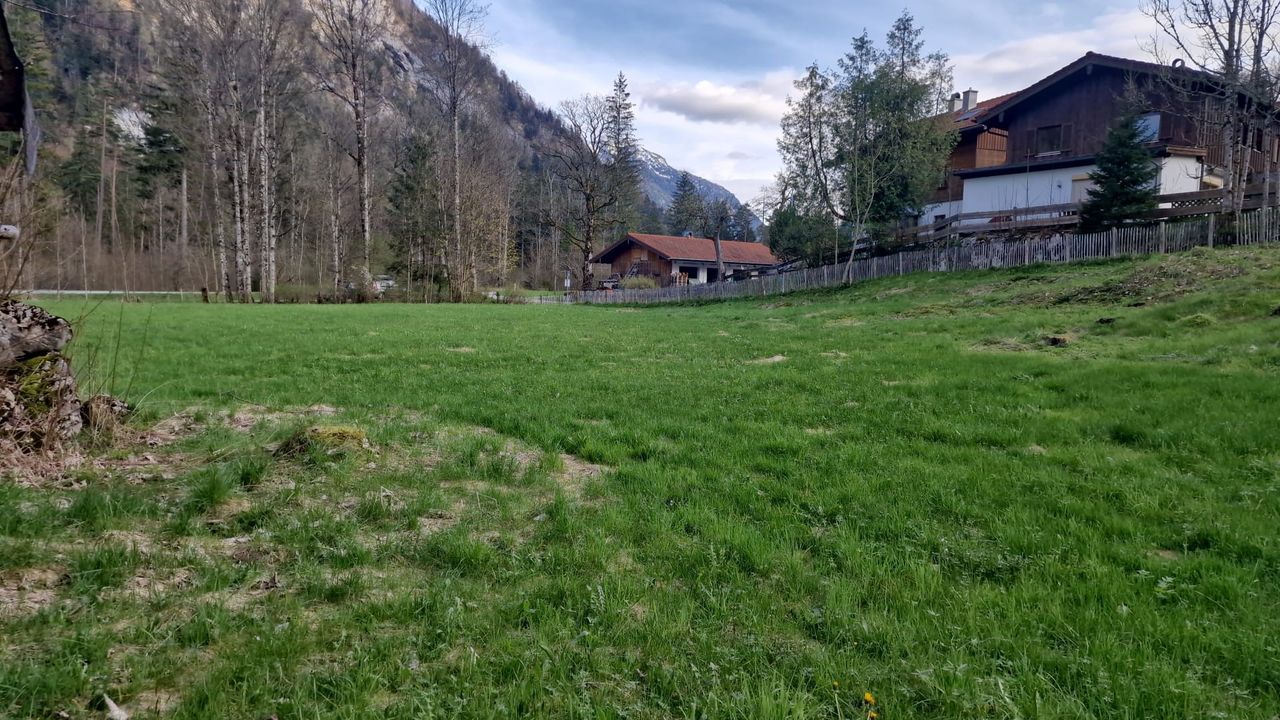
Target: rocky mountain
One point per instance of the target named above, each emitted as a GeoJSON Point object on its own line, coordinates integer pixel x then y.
{"type": "Point", "coordinates": [659, 179]}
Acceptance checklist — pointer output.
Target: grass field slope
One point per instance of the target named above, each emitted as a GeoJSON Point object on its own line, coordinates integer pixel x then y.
{"type": "Point", "coordinates": [1050, 492]}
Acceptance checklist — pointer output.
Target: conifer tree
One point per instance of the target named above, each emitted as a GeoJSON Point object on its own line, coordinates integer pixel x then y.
{"type": "Point", "coordinates": [686, 212]}
{"type": "Point", "coordinates": [1124, 188]}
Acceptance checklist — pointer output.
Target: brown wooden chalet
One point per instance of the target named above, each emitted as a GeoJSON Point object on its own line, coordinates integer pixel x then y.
{"type": "Point", "coordinates": [977, 146]}
{"type": "Point", "coordinates": [1065, 118]}
{"type": "Point", "coordinates": [1036, 148]}
{"type": "Point", "coordinates": [665, 257]}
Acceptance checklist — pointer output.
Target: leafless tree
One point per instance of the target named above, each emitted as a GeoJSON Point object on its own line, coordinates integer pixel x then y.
{"type": "Point", "coordinates": [457, 79]}
{"type": "Point", "coordinates": [577, 160]}
{"type": "Point", "coordinates": [1228, 48]}
{"type": "Point", "coordinates": [350, 35]}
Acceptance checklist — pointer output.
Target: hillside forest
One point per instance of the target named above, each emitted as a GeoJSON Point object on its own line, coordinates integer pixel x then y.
{"type": "Point", "coordinates": [291, 150]}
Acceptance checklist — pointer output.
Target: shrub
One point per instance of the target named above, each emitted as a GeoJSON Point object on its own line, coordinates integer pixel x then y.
{"type": "Point", "coordinates": [639, 283]}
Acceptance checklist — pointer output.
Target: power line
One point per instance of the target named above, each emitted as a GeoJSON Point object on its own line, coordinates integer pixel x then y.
{"type": "Point", "coordinates": [68, 18]}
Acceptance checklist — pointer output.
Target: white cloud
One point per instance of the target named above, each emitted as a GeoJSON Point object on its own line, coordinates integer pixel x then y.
{"type": "Point", "coordinates": [1020, 63]}
{"type": "Point", "coordinates": [706, 101]}
{"type": "Point", "coordinates": [720, 120]}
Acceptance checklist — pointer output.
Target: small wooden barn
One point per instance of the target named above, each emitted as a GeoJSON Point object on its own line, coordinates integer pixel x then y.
{"type": "Point", "coordinates": [668, 258]}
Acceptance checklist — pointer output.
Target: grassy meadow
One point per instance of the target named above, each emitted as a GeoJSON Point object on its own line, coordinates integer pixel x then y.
{"type": "Point", "coordinates": [1037, 493]}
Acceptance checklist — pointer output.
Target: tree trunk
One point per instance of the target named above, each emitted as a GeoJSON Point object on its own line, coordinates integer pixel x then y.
{"type": "Point", "coordinates": [219, 216]}
{"type": "Point", "coordinates": [719, 258]}
{"type": "Point", "coordinates": [458, 292]}
{"type": "Point", "coordinates": [335, 237]}
{"type": "Point", "coordinates": [362, 168]}
{"type": "Point", "coordinates": [184, 237]}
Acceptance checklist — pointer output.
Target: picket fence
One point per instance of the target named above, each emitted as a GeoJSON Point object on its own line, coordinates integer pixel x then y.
{"type": "Point", "coordinates": [1250, 228]}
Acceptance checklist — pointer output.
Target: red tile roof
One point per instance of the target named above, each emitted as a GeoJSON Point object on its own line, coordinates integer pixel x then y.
{"type": "Point", "coordinates": [697, 249]}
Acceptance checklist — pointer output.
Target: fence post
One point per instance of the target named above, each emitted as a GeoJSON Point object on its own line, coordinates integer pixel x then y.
{"type": "Point", "coordinates": [1163, 242]}
{"type": "Point", "coordinates": [1212, 228]}
{"type": "Point", "coordinates": [1112, 252]}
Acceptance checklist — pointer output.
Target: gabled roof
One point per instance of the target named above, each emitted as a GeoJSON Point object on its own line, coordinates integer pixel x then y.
{"type": "Point", "coordinates": [694, 249]}
{"type": "Point", "coordinates": [1089, 59]}
{"type": "Point", "coordinates": [965, 119]}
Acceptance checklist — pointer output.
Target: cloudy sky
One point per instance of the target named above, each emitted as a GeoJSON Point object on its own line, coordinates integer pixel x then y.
{"type": "Point", "coordinates": [711, 77]}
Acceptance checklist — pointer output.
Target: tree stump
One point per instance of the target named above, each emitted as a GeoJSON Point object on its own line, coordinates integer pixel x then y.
{"type": "Point", "coordinates": [39, 407]}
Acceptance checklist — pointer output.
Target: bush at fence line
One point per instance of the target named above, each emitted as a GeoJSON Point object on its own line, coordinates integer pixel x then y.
{"type": "Point", "coordinates": [639, 283]}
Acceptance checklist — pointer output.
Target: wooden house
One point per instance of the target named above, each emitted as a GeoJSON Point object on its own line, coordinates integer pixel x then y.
{"type": "Point", "coordinates": [976, 146]}
{"type": "Point", "coordinates": [1037, 147]}
{"type": "Point", "coordinates": [666, 258]}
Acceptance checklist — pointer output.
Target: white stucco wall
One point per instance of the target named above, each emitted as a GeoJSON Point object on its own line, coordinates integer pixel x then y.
{"type": "Point", "coordinates": [949, 208]}
{"type": "Point", "coordinates": [1179, 175]}
{"type": "Point", "coordinates": [1020, 190]}
{"type": "Point", "coordinates": [1054, 187]}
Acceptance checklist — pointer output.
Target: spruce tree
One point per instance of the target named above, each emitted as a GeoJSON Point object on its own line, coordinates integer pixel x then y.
{"type": "Point", "coordinates": [1125, 186]}
{"type": "Point", "coordinates": [686, 213]}
{"type": "Point", "coordinates": [624, 156]}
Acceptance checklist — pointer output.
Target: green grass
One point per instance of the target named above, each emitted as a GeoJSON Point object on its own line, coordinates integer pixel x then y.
{"type": "Point", "coordinates": [898, 487]}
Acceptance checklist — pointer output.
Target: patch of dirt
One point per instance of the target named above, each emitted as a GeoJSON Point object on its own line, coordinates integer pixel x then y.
{"type": "Point", "coordinates": [29, 590]}
{"type": "Point", "coordinates": [1037, 450]}
{"type": "Point", "coordinates": [242, 598]}
{"type": "Point", "coordinates": [576, 474]}
{"type": "Point", "coordinates": [1166, 554]}
{"type": "Point", "coordinates": [927, 310]}
{"type": "Point", "coordinates": [1172, 277]}
{"type": "Point", "coordinates": [437, 522]}
{"type": "Point", "coordinates": [250, 416]}
{"type": "Point", "coordinates": [894, 291]}
{"type": "Point", "coordinates": [172, 429]}
{"type": "Point", "coordinates": [151, 584]}
{"type": "Point", "coordinates": [158, 702]}
{"type": "Point", "coordinates": [463, 350]}
{"type": "Point", "coordinates": [768, 360]}
{"type": "Point", "coordinates": [819, 431]}
{"type": "Point", "coordinates": [835, 355]}
{"type": "Point", "coordinates": [1001, 345]}
{"type": "Point", "coordinates": [844, 322]}
{"type": "Point", "coordinates": [135, 540]}
{"type": "Point", "coordinates": [225, 512]}
{"type": "Point", "coordinates": [142, 467]}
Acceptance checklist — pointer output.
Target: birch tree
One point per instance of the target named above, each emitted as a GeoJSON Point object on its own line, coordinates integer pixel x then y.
{"type": "Point", "coordinates": [1230, 47]}
{"type": "Point", "coordinates": [349, 35]}
{"type": "Point", "coordinates": [457, 80]}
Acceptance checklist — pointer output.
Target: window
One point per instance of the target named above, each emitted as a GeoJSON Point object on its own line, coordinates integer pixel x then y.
{"type": "Point", "coordinates": [1048, 140]}
{"type": "Point", "coordinates": [1148, 127]}
{"type": "Point", "coordinates": [939, 218]}
{"type": "Point", "coordinates": [1080, 187]}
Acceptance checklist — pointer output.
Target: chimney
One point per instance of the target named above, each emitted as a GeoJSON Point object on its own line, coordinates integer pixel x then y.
{"type": "Point", "coordinates": [970, 99]}
{"type": "Point", "coordinates": [955, 102]}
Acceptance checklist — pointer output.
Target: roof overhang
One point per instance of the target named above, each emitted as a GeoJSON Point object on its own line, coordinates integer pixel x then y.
{"type": "Point", "coordinates": [1086, 64]}
{"type": "Point", "coordinates": [1022, 168]}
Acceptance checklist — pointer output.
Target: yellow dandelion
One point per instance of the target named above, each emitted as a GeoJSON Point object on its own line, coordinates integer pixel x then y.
{"type": "Point", "coordinates": [835, 684]}
{"type": "Point", "coordinates": [872, 715]}
{"type": "Point", "coordinates": [868, 698]}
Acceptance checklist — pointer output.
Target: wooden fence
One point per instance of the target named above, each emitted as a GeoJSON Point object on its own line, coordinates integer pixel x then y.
{"type": "Point", "coordinates": [1251, 228]}
{"type": "Point", "coordinates": [1173, 206]}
